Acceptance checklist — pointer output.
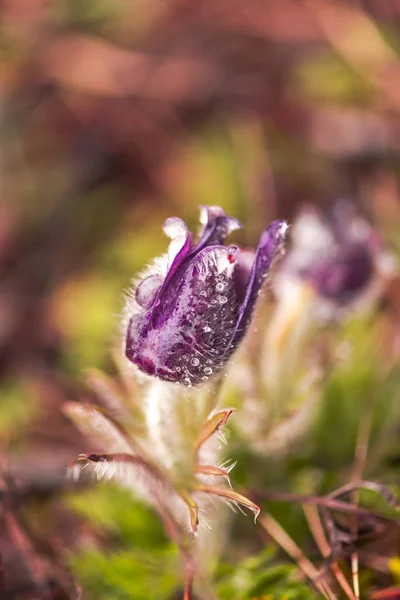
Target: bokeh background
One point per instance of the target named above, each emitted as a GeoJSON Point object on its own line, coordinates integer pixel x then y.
{"type": "Point", "coordinates": [116, 114]}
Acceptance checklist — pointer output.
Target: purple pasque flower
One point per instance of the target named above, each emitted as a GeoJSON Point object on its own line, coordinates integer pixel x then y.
{"type": "Point", "coordinates": [186, 320]}
{"type": "Point", "coordinates": [344, 274]}
{"type": "Point", "coordinates": [338, 253]}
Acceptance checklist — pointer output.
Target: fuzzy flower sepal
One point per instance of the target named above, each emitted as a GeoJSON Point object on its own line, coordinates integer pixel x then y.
{"type": "Point", "coordinates": [180, 495]}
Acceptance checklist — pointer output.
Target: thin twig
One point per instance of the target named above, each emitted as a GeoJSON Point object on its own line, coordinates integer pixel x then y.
{"type": "Point", "coordinates": [328, 501]}
{"type": "Point", "coordinates": [282, 538]}
{"type": "Point", "coordinates": [360, 457]}
{"type": "Point", "coordinates": [379, 488]}
{"type": "Point", "coordinates": [315, 525]}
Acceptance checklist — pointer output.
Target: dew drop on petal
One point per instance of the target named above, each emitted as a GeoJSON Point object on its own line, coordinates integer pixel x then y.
{"type": "Point", "coordinates": [220, 287]}
{"type": "Point", "coordinates": [222, 299]}
{"type": "Point", "coordinates": [232, 253]}
{"type": "Point", "coordinates": [147, 290]}
{"type": "Point", "coordinates": [195, 362]}
{"type": "Point", "coordinates": [208, 370]}
{"type": "Point", "coordinates": [207, 329]}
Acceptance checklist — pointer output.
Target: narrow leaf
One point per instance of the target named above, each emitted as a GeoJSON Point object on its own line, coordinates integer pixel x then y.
{"type": "Point", "coordinates": [215, 471]}
{"type": "Point", "coordinates": [231, 496]}
{"type": "Point", "coordinates": [193, 510]}
{"type": "Point", "coordinates": [212, 425]}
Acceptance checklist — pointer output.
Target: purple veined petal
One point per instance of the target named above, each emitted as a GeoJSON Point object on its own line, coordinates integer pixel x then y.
{"type": "Point", "coordinates": [242, 272]}
{"type": "Point", "coordinates": [178, 250]}
{"type": "Point", "coordinates": [188, 339]}
{"type": "Point", "coordinates": [269, 248]}
{"type": "Point", "coordinates": [137, 330]}
{"type": "Point", "coordinates": [217, 226]}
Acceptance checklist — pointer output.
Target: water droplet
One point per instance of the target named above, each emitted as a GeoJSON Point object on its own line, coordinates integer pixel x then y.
{"type": "Point", "coordinates": [187, 381]}
{"type": "Point", "coordinates": [147, 290]}
{"type": "Point", "coordinates": [206, 328]}
{"type": "Point", "coordinates": [178, 369]}
{"type": "Point", "coordinates": [220, 287]}
{"type": "Point", "coordinates": [222, 299]}
{"type": "Point", "coordinates": [232, 253]}
{"type": "Point", "coordinates": [195, 362]}
{"type": "Point", "coordinates": [213, 301]}
{"type": "Point", "coordinates": [204, 378]}
{"type": "Point", "coordinates": [208, 370]}
{"type": "Point", "coordinates": [209, 361]}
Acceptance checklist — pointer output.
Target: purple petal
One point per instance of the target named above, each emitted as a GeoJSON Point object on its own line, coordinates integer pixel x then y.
{"type": "Point", "coordinates": [217, 227]}
{"type": "Point", "coordinates": [181, 241]}
{"type": "Point", "coordinates": [269, 248]}
{"type": "Point", "coordinates": [242, 272]}
{"type": "Point", "coordinates": [189, 339]}
{"type": "Point", "coordinates": [179, 248]}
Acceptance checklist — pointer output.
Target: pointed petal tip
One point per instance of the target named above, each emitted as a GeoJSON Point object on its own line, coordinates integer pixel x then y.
{"type": "Point", "coordinates": [208, 214]}
{"type": "Point", "coordinates": [276, 231]}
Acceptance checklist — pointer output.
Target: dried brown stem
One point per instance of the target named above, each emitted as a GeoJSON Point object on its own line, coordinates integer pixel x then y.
{"type": "Point", "coordinates": [315, 525]}
{"type": "Point", "coordinates": [360, 457]}
{"type": "Point", "coordinates": [282, 538]}
{"type": "Point", "coordinates": [187, 594]}
{"type": "Point", "coordinates": [329, 501]}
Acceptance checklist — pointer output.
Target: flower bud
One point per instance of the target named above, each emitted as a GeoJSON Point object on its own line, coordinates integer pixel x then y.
{"type": "Point", "coordinates": [183, 325]}
{"type": "Point", "coordinates": [337, 253]}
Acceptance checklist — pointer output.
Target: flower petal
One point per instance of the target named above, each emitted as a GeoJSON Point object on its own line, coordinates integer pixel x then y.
{"type": "Point", "coordinates": [185, 338]}
{"type": "Point", "coordinates": [181, 241]}
{"type": "Point", "coordinates": [242, 272]}
{"type": "Point", "coordinates": [269, 249]}
{"type": "Point", "coordinates": [217, 227]}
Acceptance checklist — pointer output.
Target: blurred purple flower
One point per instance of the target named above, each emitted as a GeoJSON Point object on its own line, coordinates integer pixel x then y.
{"type": "Point", "coordinates": [338, 253]}
{"type": "Point", "coordinates": [344, 274]}
{"type": "Point", "coordinates": [186, 320]}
